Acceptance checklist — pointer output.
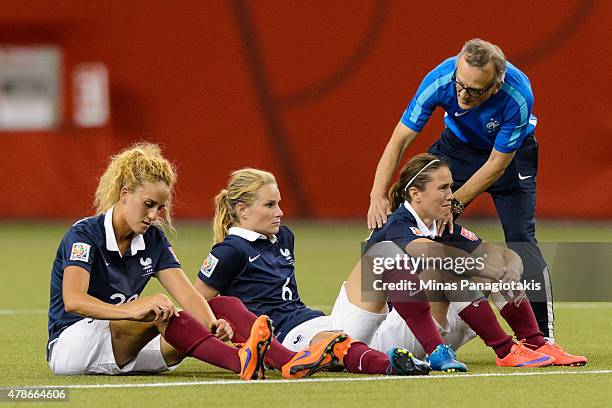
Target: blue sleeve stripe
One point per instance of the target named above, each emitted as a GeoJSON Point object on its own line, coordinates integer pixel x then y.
{"type": "Point", "coordinates": [522, 103]}
{"type": "Point", "coordinates": [426, 94]}
{"type": "Point", "coordinates": [516, 133]}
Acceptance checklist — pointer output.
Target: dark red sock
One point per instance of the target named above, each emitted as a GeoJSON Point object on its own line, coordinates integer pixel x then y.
{"type": "Point", "coordinates": [480, 317]}
{"type": "Point", "coordinates": [233, 311]}
{"type": "Point", "coordinates": [189, 336]}
{"type": "Point", "coordinates": [523, 322]}
{"type": "Point", "coordinates": [413, 307]}
{"type": "Point", "coordinates": [418, 318]}
{"type": "Point", "coordinates": [361, 359]}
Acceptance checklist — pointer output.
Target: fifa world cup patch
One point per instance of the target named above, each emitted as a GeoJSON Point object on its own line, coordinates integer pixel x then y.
{"type": "Point", "coordinates": [80, 252]}
{"type": "Point", "coordinates": [468, 234]}
{"type": "Point", "coordinates": [417, 231]}
{"type": "Point", "coordinates": [209, 265]}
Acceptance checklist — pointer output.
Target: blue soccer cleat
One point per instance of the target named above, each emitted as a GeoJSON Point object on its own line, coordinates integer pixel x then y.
{"type": "Point", "coordinates": [443, 359]}
{"type": "Point", "coordinates": [404, 363]}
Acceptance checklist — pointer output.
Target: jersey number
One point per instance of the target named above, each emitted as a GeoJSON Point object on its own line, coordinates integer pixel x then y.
{"type": "Point", "coordinates": [123, 299]}
{"type": "Point", "coordinates": [287, 294]}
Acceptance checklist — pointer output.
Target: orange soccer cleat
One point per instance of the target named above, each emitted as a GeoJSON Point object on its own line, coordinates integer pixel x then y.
{"type": "Point", "coordinates": [562, 358]}
{"type": "Point", "coordinates": [521, 356]}
{"type": "Point", "coordinates": [324, 354]}
{"type": "Point", "coordinates": [254, 349]}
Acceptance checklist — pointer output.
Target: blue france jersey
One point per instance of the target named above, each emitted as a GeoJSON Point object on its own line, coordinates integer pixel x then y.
{"type": "Point", "coordinates": [113, 279]}
{"type": "Point", "coordinates": [261, 274]}
{"type": "Point", "coordinates": [403, 227]}
{"type": "Point", "coordinates": [503, 121]}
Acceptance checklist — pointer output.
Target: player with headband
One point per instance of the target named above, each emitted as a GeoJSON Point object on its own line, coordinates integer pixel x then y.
{"type": "Point", "coordinates": [421, 196]}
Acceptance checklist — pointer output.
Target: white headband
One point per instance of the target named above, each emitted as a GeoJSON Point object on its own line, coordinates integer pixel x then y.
{"type": "Point", "coordinates": [417, 175]}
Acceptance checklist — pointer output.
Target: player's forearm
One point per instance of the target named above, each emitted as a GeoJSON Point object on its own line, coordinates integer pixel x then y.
{"type": "Point", "coordinates": [176, 283]}
{"type": "Point", "coordinates": [401, 138]}
{"type": "Point", "coordinates": [88, 306]}
{"type": "Point", "coordinates": [513, 260]}
{"type": "Point", "coordinates": [197, 306]}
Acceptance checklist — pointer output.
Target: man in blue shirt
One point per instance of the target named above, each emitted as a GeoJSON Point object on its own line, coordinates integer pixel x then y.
{"type": "Point", "coordinates": [489, 143]}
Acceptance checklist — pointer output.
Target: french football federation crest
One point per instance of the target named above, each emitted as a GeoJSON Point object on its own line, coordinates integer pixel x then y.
{"type": "Point", "coordinates": [492, 125]}
{"type": "Point", "coordinates": [147, 265]}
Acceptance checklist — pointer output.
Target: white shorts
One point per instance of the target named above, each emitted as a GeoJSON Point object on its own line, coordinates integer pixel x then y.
{"type": "Point", "coordinates": [86, 348]}
{"type": "Point", "coordinates": [346, 317]}
{"type": "Point", "coordinates": [394, 332]}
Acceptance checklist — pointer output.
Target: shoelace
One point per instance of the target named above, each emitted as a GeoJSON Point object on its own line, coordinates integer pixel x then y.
{"type": "Point", "coordinates": [447, 352]}
{"type": "Point", "coordinates": [521, 350]}
{"type": "Point", "coordinates": [552, 345]}
{"type": "Point", "coordinates": [530, 346]}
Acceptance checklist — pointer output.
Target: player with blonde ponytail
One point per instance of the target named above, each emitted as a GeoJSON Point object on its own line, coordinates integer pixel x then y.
{"type": "Point", "coordinates": [252, 259]}
{"type": "Point", "coordinates": [241, 189]}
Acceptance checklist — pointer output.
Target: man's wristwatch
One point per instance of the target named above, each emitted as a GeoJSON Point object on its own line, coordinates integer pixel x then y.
{"type": "Point", "coordinates": [457, 207]}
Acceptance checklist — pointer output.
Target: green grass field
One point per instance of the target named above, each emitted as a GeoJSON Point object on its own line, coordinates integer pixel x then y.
{"type": "Point", "coordinates": [324, 255]}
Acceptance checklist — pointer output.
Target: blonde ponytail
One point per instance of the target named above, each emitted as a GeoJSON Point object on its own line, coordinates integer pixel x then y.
{"type": "Point", "coordinates": [222, 220]}
{"type": "Point", "coordinates": [242, 188]}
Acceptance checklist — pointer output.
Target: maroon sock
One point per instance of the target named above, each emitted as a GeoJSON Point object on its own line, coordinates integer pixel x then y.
{"type": "Point", "coordinates": [233, 311]}
{"type": "Point", "coordinates": [414, 308]}
{"type": "Point", "coordinates": [189, 336]}
{"type": "Point", "coordinates": [361, 359]}
{"type": "Point", "coordinates": [418, 318]}
{"type": "Point", "coordinates": [523, 322]}
{"type": "Point", "coordinates": [480, 317]}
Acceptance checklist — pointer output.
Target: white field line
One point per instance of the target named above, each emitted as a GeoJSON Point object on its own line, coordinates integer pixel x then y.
{"type": "Point", "coordinates": [321, 380]}
{"type": "Point", "coordinates": [560, 305]}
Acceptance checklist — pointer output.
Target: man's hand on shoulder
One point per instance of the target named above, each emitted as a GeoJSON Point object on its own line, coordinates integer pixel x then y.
{"type": "Point", "coordinates": [378, 212]}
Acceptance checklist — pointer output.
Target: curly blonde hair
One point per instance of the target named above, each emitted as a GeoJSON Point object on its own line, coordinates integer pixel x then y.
{"type": "Point", "coordinates": [131, 168]}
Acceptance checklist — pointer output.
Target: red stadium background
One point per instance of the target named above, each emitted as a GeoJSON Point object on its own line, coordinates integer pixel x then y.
{"type": "Point", "coordinates": [308, 90]}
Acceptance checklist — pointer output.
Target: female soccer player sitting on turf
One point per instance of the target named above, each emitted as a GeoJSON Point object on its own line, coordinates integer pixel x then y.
{"type": "Point", "coordinates": [253, 261]}
{"type": "Point", "coordinates": [98, 323]}
{"type": "Point", "coordinates": [422, 195]}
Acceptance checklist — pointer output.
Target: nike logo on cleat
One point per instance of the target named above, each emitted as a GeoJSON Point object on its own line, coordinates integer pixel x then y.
{"type": "Point", "coordinates": [248, 358]}
{"type": "Point", "coordinates": [306, 354]}
{"type": "Point", "coordinates": [538, 360]}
